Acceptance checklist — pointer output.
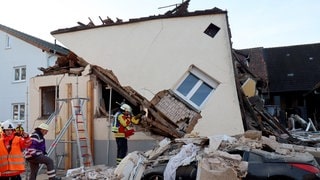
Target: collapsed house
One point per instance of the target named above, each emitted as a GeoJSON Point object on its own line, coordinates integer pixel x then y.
{"type": "Point", "coordinates": [149, 64]}
{"type": "Point", "coordinates": [150, 72]}
{"type": "Point", "coordinates": [158, 53]}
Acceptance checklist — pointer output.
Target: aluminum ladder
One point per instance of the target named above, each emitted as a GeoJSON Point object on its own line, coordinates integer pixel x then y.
{"type": "Point", "coordinates": [80, 126]}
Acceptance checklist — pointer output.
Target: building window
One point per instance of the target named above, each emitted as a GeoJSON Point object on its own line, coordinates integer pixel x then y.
{"type": "Point", "coordinates": [7, 42]}
{"type": "Point", "coordinates": [212, 30]}
{"type": "Point", "coordinates": [47, 101]}
{"type": "Point", "coordinates": [18, 112]}
{"type": "Point", "coordinates": [51, 61]}
{"type": "Point", "coordinates": [20, 73]}
{"type": "Point", "coordinates": [196, 87]}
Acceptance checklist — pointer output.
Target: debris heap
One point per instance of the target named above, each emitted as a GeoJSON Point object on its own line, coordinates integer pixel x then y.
{"type": "Point", "coordinates": [212, 157]}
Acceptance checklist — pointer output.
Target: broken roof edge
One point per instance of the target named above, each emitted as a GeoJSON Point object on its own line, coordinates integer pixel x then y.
{"type": "Point", "coordinates": [214, 10]}
{"type": "Point", "coordinates": [65, 64]}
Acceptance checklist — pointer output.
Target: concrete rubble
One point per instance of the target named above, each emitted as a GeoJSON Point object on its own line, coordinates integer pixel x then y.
{"type": "Point", "coordinates": [211, 153]}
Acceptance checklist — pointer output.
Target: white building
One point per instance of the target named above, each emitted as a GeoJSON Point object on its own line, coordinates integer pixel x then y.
{"type": "Point", "coordinates": [20, 56]}
{"type": "Point", "coordinates": [179, 64]}
{"type": "Point", "coordinates": [158, 52]}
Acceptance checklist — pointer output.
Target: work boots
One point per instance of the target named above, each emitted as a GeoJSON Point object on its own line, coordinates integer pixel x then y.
{"type": "Point", "coordinates": [55, 178]}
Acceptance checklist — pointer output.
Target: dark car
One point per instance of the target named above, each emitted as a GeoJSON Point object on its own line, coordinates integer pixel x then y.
{"type": "Point", "coordinates": [270, 165]}
{"type": "Point", "coordinates": [261, 165]}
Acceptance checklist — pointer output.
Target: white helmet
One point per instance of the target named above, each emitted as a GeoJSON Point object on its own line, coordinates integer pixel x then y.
{"type": "Point", "coordinates": [7, 125]}
{"type": "Point", "coordinates": [126, 107]}
{"type": "Point", "coordinates": [43, 126]}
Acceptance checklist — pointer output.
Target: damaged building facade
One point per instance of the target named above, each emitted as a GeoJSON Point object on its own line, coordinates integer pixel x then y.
{"type": "Point", "coordinates": [291, 77]}
{"type": "Point", "coordinates": [158, 53]}
{"type": "Point", "coordinates": [178, 66]}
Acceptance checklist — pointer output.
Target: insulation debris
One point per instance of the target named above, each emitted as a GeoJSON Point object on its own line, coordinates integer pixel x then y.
{"type": "Point", "coordinates": [212, 156]}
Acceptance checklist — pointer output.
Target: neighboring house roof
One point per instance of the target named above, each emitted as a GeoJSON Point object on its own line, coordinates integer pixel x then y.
{"type": "Point", "coordinates": [44, 45]}
{"type": "Point", "coordinates": [293, 68]}
{"type": "Point", "coordinates": [256, 60]}
{"type": "Point", "coordinates": [180, 11]}
{"type": "Point", "coordinates": [252, 62]}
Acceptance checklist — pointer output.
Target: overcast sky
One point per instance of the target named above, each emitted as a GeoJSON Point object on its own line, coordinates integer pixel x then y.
{"type": "Point", "coordinates": [253, 23]}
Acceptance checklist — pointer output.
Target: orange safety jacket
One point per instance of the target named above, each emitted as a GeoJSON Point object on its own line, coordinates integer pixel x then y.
{"type": "Point", "coordinates": [124, 129]}
{"type": "Point", "coordinates": [13, 163]}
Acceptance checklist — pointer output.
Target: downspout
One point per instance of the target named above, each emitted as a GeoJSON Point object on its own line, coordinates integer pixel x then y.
{"type": "Point", "coordinates": [90, 116]}
{"type": "Point", "coordinates": [58, 82]}
{"type": "Point", "coordinates": [109, 124]}
{"type": "Point", "coordinates": [27, 111]}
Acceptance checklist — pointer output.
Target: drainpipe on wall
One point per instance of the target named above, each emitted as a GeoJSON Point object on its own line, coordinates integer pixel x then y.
{"type": "Point", "coordinates": [109, 124]}
{"type": "Point", "coordinates": [90, 114]}
{"type": "Point", "coordinates": [26, 111]}
{"type": "Point", "coordinates": [58, 82]}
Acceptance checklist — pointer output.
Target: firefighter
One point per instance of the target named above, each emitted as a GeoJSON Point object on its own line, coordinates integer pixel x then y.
{"type": "Point", "coordinates": [36, 154]}
{"type": "Point", "coordinates": [12, 162]}
{"type": "Point", "coordinates": [19, 130]}
{"type": "Point", "coordinates": [122, 127]}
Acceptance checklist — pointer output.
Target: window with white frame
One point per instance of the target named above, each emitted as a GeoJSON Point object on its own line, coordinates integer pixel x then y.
{"type": "Point", "coordinates": [18, 112]}
{"type": "Point", "coordinates": [20, 73]}
{"type": "Point", "coordinates": [196, 87]}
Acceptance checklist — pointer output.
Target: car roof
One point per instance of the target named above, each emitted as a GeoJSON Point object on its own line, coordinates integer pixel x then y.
{"type": "Point", "coordinates": [293, 157]}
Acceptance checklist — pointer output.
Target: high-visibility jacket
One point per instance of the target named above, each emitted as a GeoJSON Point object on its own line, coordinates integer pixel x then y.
{"type": "Point", "coordinates": [19, 131]}
{"type": "Point", "coordinates": [122, 125]}
{"type": "Point", "coordinates": [11, 163]}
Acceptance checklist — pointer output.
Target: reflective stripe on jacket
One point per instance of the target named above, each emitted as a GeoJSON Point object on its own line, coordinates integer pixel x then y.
{"type": "Point", "coordinates": [37, 147]}
{"type": "Point", "coordinates": [11, 163]}
{"type": "Point", "coordinates": [124, 123]}
{"type": "Point", "coordinates": [115, 123]}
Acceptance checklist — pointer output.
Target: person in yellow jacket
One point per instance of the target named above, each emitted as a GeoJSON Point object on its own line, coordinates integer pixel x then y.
{"type": "Point", "coordinates": [123, 129]}
{"type": "Point", "coordinates": [12, 162]}
{"type": "Point", "coordinates": [19, 130]}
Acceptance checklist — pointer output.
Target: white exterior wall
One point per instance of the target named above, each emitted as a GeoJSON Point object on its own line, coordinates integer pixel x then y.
{"type": "Point", "coordinates": [20, 53]}
{"type": "Point", "coordinates": [151, 56]}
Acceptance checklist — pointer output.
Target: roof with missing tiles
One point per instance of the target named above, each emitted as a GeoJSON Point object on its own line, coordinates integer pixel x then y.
{"type": "Point", "coordinates": [179, 11]}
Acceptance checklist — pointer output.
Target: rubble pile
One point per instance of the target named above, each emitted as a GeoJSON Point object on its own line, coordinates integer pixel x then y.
{"type": "Point", "coordinates": [94, 172]}
{"type": "Point", "coordinates": [221, 165]}
{"type": "Point", "coordinates": [211, 155]}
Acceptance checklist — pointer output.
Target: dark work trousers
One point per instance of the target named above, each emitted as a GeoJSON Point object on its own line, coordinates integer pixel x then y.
{"type": "Point", "coordinates": [35, 165]}
{"type": "Point", "coordinates": [18, 177]}
{"type": "Point", "coordinates": [122, 148]}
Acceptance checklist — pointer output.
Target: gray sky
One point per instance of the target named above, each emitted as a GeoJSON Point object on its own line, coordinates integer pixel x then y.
{"type": "Point", "coordinates": [253, 23]}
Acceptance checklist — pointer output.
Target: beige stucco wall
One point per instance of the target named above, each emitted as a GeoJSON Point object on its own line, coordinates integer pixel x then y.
{"type": "Point", "coordinates": [151, 56]}
{"type": "Point", "coordinates": [78, 88]}
{"type": "Point", "coordinates": [101, 125]}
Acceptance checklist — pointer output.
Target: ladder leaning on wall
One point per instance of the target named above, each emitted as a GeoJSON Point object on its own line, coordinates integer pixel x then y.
{"type": "Point", "coordinates": [80, 126]}
{"type": "Point", "coordinates": [79, 122]}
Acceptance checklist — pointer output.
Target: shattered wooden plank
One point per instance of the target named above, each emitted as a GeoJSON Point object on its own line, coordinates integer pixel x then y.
{"type": "Point", "coordinates": [115, 85]}
{"type": "Point", "coordinates": [273, 122]}
{"type": "Point", "coordinates": [160, 121]}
